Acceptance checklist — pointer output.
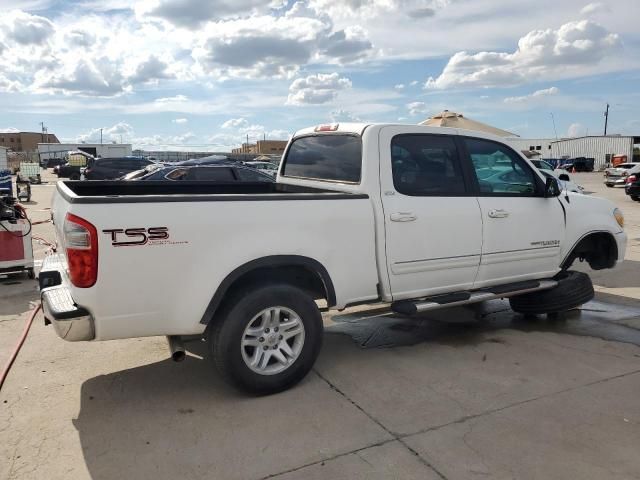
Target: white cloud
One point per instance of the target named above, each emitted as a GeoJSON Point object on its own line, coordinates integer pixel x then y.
{"type": "Point", "coordinates": [114, 133]}
{"type": "Point", "coordinates": [576, 130]}
{"type": "Point", "coordinates": [350, 9]}
{"type": "Point", "coordinates": [9, 130]}
{"type": "Point", "coordinates": [399, 86]}
{"type": "Point", "coordinates": [86, 55]}
{"type": "Point", "coordinates": [180, 121]}
{"type": "Point", "coordinates": [25, 28]}
{"type": "Point", "coordinates": [344, 46]}
{"type": "Point", "coordinates": [235, 123]}
{"type": "Point", "coordinates": [80, 38]}
{"type": "Point", "coordinates": [316, 89]}
{"type": "Point", "coordinates": [192, 13]}
{"type": "Point", "coordinates": [573, 48]}
{"type": "Point", "coordinates": [341, 115]}
{"type": "Point", "coordinates": [276, 47]}
{"type": "Point", "coordinates": [414, 83]}
{"type": "Point", "coordinates": [594, 8]}
{"type": "Point", "coordinates": [151, 69]}
{"type": "Point", "coordinates": [417, 108]}
{"type": "Point", "coordinates": [165, 142]}
{"type": "Point", "coordinates": [169, 100]}
{"type": "Point", "coordinates": [123, 131]}
{"type": "Point", "coordinates": [99, 78]}
{"type": "Point", "coordinates": [537, 94]}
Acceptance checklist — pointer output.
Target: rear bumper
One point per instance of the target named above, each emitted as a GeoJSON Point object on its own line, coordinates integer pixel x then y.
{"type": "Point", "coordinates": [70, 321]}
{"type": "Point", "coordinates": [615, 180]}
{"type": "Point", "coordinates": [632, 189]}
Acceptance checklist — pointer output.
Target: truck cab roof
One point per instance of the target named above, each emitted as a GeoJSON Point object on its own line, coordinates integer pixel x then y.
{"type": "Point", "coordinates": [359, 129]}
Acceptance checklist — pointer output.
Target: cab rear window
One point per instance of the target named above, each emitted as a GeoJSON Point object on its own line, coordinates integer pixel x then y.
{"type": "Point", "coordinates": [334, 158]}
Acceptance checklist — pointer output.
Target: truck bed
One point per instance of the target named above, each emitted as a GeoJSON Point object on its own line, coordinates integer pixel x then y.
{"type": "Point", "coordinates": [119, 191]}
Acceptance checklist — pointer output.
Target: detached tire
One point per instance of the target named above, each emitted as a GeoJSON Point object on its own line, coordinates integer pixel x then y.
{"type": "Point", "coordinates": [268, 339]}
{"type": "Point", "coordinates": [573, 289]}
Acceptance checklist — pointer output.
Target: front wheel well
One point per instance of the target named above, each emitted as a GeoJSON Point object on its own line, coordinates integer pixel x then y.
{"type": "Point", "coordinates": [599, 249]}
{"type": "Point", "coordinates": [302, 272]}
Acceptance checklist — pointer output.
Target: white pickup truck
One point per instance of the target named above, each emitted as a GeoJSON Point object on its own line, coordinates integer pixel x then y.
{"type": "Point", "coordinates": [417, 217]}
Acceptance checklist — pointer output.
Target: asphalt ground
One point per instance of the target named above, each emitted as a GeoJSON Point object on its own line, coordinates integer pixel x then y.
{"type": "Point", "coordinates": [460, 394]}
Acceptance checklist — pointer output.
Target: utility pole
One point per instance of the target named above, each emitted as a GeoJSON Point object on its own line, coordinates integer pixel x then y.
{"type": "Point", "coordinates": [606, 119]}
{"type": "Point", "coordinates": [554, 125]}
{"type": "Point", "coordinates": [42, 130]}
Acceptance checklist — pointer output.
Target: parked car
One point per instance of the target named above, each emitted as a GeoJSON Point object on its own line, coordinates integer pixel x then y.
{"type": "Point", "coordinates": [112, 168]}
{"type": "Point", "coordinates": [66, 170]}
{"type": "Point", "coordinates": [266, 167]}
{"type": "Point", "coordinates": [632, 186]}
{"type": "Point", "coordinates": [563, 178]}
{"type": "Point", "coordinates": [226, 172]}
{"type": "Point", "coordinates": [359, 213]}
{"type": "Point", "coordinates": [579, 164]}
{"type": "Point", "coordinates": [73, 168]}
{"type": "Point", "coordinates": [617, 176]}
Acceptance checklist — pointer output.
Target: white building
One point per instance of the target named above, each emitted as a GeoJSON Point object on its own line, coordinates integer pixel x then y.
{"type": "Point", "coordinates": [600, 148]}
{"type": "Point", "coordinates": [104, 150]}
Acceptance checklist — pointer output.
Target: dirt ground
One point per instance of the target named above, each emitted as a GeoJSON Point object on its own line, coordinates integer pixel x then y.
{"type": "Point", "coordinates": [454, 395]}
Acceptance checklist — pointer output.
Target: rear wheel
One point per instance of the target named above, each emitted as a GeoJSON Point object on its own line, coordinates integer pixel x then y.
{"type": "Point", "coordinates": [74, 176]}
{"type": "Point", "coordinates": [267, 340]}
{"type": "Point", "coordinates": [635, 198]}
{"type": "Point", "coordinates": [573, 289]}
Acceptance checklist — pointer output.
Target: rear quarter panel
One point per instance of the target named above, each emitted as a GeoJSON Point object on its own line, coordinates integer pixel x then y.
{"type": "Point", "coordinates": [164, 288]}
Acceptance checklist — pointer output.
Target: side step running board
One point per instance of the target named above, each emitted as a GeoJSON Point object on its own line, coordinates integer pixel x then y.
{"type": "Point", "coordinates": [411, 307]}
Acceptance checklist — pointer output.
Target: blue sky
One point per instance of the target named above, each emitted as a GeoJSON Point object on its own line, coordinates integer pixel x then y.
{"type": "Point", "coordinates": [204, 74]}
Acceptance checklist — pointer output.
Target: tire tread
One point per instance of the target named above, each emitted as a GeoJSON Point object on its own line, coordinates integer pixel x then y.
{"type": "Point", "coordinates": [573, 289]}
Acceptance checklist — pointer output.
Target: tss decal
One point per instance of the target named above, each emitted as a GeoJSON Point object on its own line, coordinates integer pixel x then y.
{"type": "Point", "coordinates": [129, 237]}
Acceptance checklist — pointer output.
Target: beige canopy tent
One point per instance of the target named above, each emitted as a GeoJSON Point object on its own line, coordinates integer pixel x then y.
{"type": "Point", "coordinates": [457, 120]}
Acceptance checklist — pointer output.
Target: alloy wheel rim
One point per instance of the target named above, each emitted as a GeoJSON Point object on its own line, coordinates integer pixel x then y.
{"type": "Point", "coordinates": [272, 340]}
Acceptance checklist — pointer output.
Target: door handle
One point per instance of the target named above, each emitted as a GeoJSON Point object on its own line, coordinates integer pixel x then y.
{"type": "Point", "coordinates": [402, 217]}
{"type": "Point", "coordinates": [498, 213]}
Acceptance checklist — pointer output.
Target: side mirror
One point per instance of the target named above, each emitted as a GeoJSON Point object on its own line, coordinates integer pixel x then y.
{"type": "Point", "coordinates": [551, 188]}
{"type": "Point", "coordinates": [564, 177]}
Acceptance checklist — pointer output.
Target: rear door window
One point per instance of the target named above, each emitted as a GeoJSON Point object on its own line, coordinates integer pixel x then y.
{"type": "Point", "coordinates": [426, 165]}
{"type": "Point", "coordinates": [334, 158]}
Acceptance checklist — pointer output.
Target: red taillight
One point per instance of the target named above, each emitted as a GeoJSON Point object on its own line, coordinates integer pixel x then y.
{"type": "Point", "coordinates": [631, 179]}
{"type": "Point", "coordinates": [81, 244]}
